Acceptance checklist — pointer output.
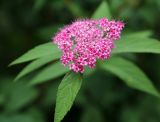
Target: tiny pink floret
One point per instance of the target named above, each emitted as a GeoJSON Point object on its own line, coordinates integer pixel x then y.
{"type": "Point", "coordinates": [85, 41]}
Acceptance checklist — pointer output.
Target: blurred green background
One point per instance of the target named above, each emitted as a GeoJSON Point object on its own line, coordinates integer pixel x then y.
{"type": "Point", "coordinates": [103, 97]}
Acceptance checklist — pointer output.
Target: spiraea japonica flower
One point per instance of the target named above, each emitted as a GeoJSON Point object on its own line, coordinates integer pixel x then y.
{"type": "Point", "coordinates": [85, 41]}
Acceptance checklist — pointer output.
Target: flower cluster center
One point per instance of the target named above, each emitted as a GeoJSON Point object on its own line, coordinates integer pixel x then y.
{"type": "Point", "coordinates": [85, 41]}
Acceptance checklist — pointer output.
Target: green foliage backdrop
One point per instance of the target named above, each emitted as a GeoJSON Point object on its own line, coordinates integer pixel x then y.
{"type": "Point", "coordinates": [25, 24]}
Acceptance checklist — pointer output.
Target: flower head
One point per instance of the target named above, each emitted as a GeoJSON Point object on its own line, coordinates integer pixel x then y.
{"type": "Point", "coordinates": [85, 41]}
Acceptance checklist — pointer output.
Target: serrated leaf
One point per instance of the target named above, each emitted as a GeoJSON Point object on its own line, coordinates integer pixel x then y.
{"type": "Point", "coordinates": [37, 52]}
{"type": "Point", "coordinates": [36, 64]}
{"type": "Point", "coordinates": [129, 44]}
{"type": "Point", "coordinates": [66, 94]}
{"type": "Point", "coordinates": [130, 74]}
{"type": "Point", "coordinates": [50, 72]}
{"type": "Point", "coordinates": [102, 11]}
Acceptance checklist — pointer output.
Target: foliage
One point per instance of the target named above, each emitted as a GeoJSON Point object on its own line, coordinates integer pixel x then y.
{"type": "Point", "coordinates": [101, 95]}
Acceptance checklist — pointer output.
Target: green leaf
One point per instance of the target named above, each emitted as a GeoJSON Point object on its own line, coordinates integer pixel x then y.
{"type": "Point", "coordinates": [19, 96]}
{"type": "Point", "coordinates": [129, 44]}
{"type": "Point", "coordinates": [67, 92]}
{"type": "Point", "coordinates": [144, 33]}
{"type": "Point", "coordinates": [102, 11]}
{"type": "Point", "coordinates": [88, 71]}
{"type": "Point", "coordinates": [130, 74]}
{"type": "Point", "coordinates": [50, 72]}
{"type": "Point", "coordinates": [21, 117]}
{"type": "Point", "coordinates": [38, 4]}
{"type": "Point", "coordinates": [37, 52]}
{"type": "Point", "coordinates": [75, 9]}
{"type": "Point", "coordinates": [36, 64]}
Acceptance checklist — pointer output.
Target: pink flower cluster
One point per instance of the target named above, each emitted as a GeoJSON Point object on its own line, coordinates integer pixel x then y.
{"type": "Point", "coordinates": [85, 41]}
